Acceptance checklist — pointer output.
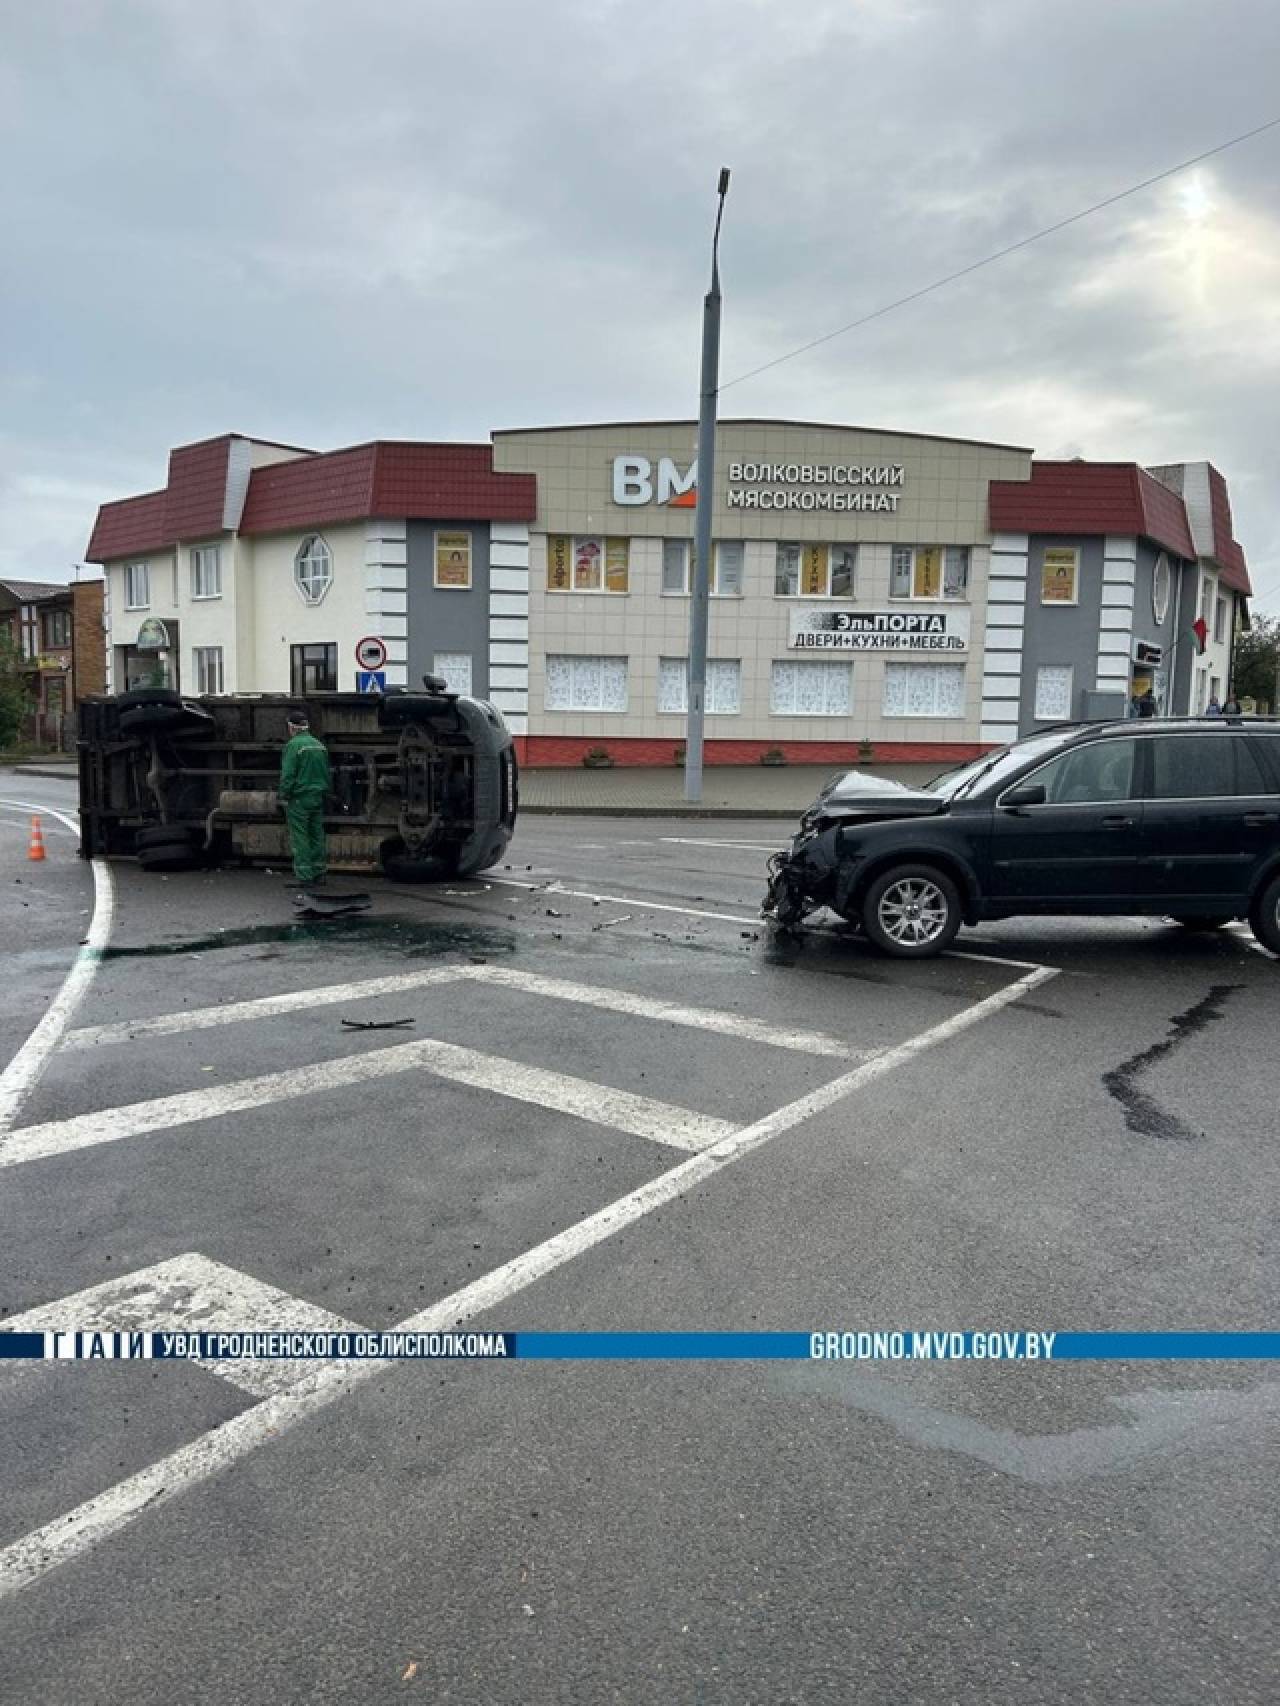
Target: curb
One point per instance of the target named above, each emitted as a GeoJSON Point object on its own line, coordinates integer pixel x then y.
{"type": "Point", "coordinates": [67, 773]}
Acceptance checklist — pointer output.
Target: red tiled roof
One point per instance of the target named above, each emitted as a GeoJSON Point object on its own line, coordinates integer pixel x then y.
{"type": "Point", "coordinates": [197, 490]}
{"type": "Point", "coordinates": [1235, 571]}
{"type": "Point", "coordinates": [445, 482]}
{"type": "Point", "coordinates": [128, 527]}
{"type": "Point", "coordinates": [430, 482]}
{"type": "Point", "coordinates": [1091, 498]}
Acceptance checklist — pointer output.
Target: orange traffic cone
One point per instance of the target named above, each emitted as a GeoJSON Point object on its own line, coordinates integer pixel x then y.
{"type": "Point", "coordinates": [36, 849]}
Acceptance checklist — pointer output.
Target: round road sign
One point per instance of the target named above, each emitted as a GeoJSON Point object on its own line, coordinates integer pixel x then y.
{"type": "Point", "coordinates": [371, 652]}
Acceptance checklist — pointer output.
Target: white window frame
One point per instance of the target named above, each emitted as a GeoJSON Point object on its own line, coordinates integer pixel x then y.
{"type": "Point", "coordinates": [830, 669]}
{"type": "Point", "coordinates": [604, 590]}
{"type": "Point", "coordinates": [1047, 716]}
{"type": "Point", "coordinates": [201, 557]}
{"type": "Point", "coordinates": [685, 547]}
{"type": "Point", "coordinates": [313, 550]}
{"type": "Point", "coordinates": [932, 715]}
{"type": "Point", "coordinates": [133, 574]}
{"type": "Point", "coordinates": [1208, 592]}
{"type": "Point", "coordinates": [803, 545]}
{"type": "Point", "coordinates": [1059, 603]}
{"type": "Point", "coordinates": [599, 709]}
{"type": "Point", "coordinates": [720, 672]}
{"type": "Point", "coordinates": [1161, 584]}
{"type": "Point", "coordinates": [943, 597]}
{"type": "Point", "coordinates": [1220, 621]}
{"type": "Point", "coordinates": [443, 663]}
{"type": "Point", "coordinates": [202, 657]}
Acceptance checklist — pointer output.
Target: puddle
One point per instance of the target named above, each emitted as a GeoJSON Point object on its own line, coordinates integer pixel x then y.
{"type": "Point", "coordinates": [409, 939]}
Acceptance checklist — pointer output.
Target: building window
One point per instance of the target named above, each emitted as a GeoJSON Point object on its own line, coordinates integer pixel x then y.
{"type": "Point", "coordinates": [586, 684]}
{"type": "Point", "coordinates": [30, 629]}
{"type": "Point", "coordinates": [1220, 621]}
{"type": "Point", "coordinates": [137, 586]}
{"type": "Point", "coordinates": [313, 669]}
{"type": "Point", "coordinates": [1059, 575]}
{"type": "Point", "coordinates": [206, 572]}
{"type": "Point", "coordinates": [728, 559]}
{"type": "Point", "coordinates": [923, 690]}
{"type": "Point", "coordinates": [313, 569]}
{"type": "Point", "coordinates": [1053, 693]}
{"type": "Point", "coordinates": [814, 571]}
{"type": "Point", "coordinates": [455, 667]}
{"type": "Point", "coordinates": [57, 629]}
{"type": "Point", "coordinates": [588, 565]}
{"type": "Point", "coordinates": [728, 566]}
{"type": "Point", "coordinates": [1160, 583]}
{"type": "Point", "coordinates": [453, 560]}
{"type": "Point", "coordinates": [1202, 692]}
{"type": "Point", "coordinates": [208, 668]}
{"type": "Point", "coordinates": [1207, 590]}
{"type": "Point", "coordinates": [724, 686]}
{"type": "Point", "coordinates": [811, 689]}
{"type": "Point", "coordinates": [929, 571]}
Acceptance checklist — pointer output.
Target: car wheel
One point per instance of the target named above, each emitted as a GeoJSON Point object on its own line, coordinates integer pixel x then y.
{"type": "Point", "coordinates": [912, 911]}
{"type": "Point", "coordinates": [169, 856]}
{"type": "Point", "coordinates": [1199, 923]}
{"type": "Point", "coordinates": [1264, 916]}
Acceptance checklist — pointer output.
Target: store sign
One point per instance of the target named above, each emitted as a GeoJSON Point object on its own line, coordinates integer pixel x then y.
{"type": "Point", "coordinates": [825, 630]}
{"type": "Point", "coordinates": [829, 486]}
{"type": "Point", "coordinates": [1145, 653]}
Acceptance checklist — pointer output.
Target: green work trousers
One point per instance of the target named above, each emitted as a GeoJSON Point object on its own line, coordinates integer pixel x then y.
{"type": "Point", "coordinates": [305, 817]}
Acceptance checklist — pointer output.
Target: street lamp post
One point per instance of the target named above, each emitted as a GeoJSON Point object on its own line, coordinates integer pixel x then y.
{"type": "Point", "coordinates": [699, 606]}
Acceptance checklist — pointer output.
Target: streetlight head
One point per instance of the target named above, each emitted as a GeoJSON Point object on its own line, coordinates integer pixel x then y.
{"type": "Point", "coordinates": [724, 180]}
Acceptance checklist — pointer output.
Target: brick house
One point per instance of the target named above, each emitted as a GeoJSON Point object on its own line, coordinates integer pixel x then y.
{"type": "Point", "coordinates": [58, 634]}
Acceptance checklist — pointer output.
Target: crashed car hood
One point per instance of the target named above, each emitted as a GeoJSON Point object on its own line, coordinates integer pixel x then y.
{"type": "Point", "coordinates": [859, 794]}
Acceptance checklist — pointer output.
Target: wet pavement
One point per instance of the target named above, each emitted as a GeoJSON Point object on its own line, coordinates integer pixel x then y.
{"type": "Point", "coordinates": [1095, 1149]}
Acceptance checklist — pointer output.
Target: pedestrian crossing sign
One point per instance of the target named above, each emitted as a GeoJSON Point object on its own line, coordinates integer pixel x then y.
{"type": "Point", "coordinates": [371, 681]}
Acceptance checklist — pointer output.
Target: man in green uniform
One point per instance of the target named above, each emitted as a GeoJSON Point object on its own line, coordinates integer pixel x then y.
{"type": "Point", "coordinates": [304, 782]}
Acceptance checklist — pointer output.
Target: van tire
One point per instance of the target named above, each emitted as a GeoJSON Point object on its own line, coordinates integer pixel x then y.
{"type": "Point", "coordinates": [1264, 916]}
{"type": "Point", "coordinates": [165, 835]}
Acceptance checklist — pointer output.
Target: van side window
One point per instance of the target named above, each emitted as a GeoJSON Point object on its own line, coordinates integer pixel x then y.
{"type": "Point", "coordinates": [1096, 774]}
{"type": "Point", "coordinates": [1267, 747]}
{"type": "Point", "coordinates": [1204, 767]}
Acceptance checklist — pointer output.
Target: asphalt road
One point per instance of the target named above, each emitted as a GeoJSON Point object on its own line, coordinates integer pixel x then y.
{"type": "Point", "coordinates": [965, 1143]}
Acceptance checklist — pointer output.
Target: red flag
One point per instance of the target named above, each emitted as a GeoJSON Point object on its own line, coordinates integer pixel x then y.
{"type": "Point", "coordinates": [1200, 628]}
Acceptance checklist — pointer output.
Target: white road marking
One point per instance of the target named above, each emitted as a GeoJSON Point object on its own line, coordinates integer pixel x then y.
{"type": "Point", "coordinates": [680, 1128]}
{"type": "Point", "coordinates": [697, 1018]}
{"type": "Point", "coordinates": [79, 1531]}
{"type": "Point", "coordinates": [24, 1070]}
{"type": "Point", "coordinates": [624, 900]}
{"type": "Point", "coordinates": [744, 846]}
{"type": "Point", "coordinates": [266, 1007]}
{"type": "Point", "coordinates": [188, 1294]}
{"type": "Point", "coordinates": [557, 989]}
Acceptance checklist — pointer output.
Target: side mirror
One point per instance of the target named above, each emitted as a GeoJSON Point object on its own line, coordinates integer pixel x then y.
{"type": "Point", "coordinates": [1029, 794]}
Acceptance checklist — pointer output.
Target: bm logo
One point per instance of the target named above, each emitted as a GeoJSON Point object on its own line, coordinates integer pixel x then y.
{"type": "Point", "coordinates": [633, 482]}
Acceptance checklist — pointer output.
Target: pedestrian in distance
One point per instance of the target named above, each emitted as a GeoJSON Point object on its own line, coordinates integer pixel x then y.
{"type": "Point", "coordinates": [1213, 708]}
{"type": "Point", "coordinates": [1233, 707]}
{"type": "Point", "coordinates": [304, 783]}
{"type": "Point", "coordinates": [1147, 704]}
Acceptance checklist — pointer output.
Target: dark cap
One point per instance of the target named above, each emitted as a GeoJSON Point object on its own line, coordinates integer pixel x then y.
{"type": "Point", "coordinates": [298, 720]}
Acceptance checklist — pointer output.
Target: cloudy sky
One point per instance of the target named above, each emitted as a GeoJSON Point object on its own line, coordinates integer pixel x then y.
{"type": "Point", "coordinates": [322, 221]}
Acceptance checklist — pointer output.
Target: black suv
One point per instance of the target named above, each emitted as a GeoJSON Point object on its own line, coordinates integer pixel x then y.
{"type": "Point", "coordinates": [1177, 817]}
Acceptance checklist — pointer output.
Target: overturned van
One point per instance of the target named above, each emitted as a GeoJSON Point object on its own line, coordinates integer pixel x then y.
{"type": "Point", "coordinates": [425, 785]}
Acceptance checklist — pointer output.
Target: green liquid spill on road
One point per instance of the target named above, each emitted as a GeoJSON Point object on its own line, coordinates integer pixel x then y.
{"type": "Point", "coordinates": [408, 940]}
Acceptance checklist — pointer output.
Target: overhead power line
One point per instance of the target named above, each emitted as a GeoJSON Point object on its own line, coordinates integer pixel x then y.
{"type": "Point", "coordinates": [999, 255]}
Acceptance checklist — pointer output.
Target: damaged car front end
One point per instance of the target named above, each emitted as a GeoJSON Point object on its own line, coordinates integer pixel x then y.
{"type": "Point", "coordinates": [823, 866]}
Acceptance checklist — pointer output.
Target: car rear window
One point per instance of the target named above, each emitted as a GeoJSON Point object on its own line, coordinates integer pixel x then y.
{"type": "Point", "coordinates": [1205, 767]}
